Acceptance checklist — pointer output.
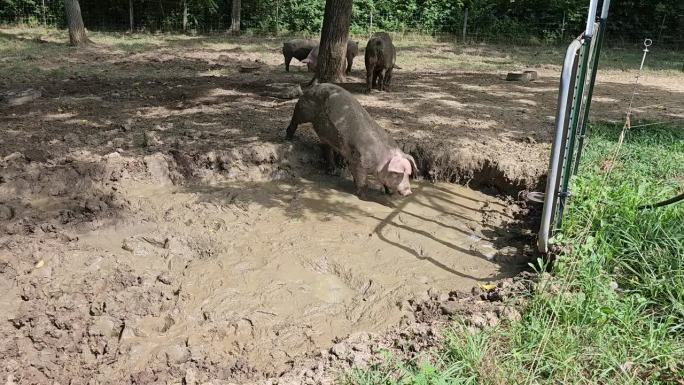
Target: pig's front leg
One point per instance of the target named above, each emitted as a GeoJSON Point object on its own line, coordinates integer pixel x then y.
{"type": "Point", "coordinates": [360, 175]}
{"type": "Point", "coordinates": [329, 157]}
{"type": "Point", "coordinates": [298, 117]}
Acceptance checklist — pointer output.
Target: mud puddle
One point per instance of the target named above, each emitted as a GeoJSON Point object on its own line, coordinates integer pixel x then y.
{"type": "Point", "coordinates": [241, 279]}
{"type": "Point", "coordinates": [282, 269]}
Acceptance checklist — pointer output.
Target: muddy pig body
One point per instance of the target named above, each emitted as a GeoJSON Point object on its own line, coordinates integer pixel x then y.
{"type": "Point", "coordinates": [343, 125]}
{"type": "Point", "coordinates": [298, 49]}
{"type": "Point", "coordinates": [380, 57]}
{"type": "Point", "coordinates": [352, 51]}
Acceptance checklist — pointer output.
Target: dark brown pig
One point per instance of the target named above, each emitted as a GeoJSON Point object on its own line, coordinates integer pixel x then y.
{"type": "Point", "coordinates": [343, 125]}
{"type": "Point", "coordinates": [380, 57]}
{"type": "Point", "coordinates": [298, 49]}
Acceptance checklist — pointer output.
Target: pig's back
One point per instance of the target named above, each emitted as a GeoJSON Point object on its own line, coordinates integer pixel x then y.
{"type": "Point", "coordinates": [348, 127]}
{"type": "Point", "coordinates": [298, 48]}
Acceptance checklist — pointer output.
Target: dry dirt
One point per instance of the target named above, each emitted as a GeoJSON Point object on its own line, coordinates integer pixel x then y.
{"type": "Point", "coordinates": [156, 228]}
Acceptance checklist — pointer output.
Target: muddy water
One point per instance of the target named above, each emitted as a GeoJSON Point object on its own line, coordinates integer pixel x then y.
{"type": "Point", "coordinates": [264, 272]}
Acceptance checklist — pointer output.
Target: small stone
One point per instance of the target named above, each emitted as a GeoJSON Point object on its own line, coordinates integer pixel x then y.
{"type": "Point", "coordinates": [477, 320]}
{"type": "Point", "coordinates": [14, 156]}
{"type": "Point", "coordinates": [6, 212]}
{"type": "Point", "coordinates": [433, 293]}
{"type": "Point", "coordinates": [35, 155]}
{"type": "Point", "coordinates": [476, 291]}
{"type": "Point", "coordinates": [165, 278]}
{"type": "Point", "coordinates": [339, 350]}
{"type": "Point", "coordinates": [510, 314]}
{"type": "Point", "coordinates": [405, 306]}
{"type": "Point", "coordinates": [127, 333]}
{"type": "Point", "coordinates": [127, 246]}
{"type": "Point", "coordinates": [190, 377]}
{"type": "Point", "coordinates": [18, 98]}
{"type": "Point", "coordinates": [248, 68]}
{"type": "Point", "coordinates": [105, 326]}
{"type": "Point", "coordinates": [284, 90]}
{"type": "Point", "coordinates": [492, 319]}
{"type": "Point", "coordinates": [158, 167]}
{"type": "Point", "coordinates": [450, 307]}
{"type": "Point", "coordinates": [177, 354]}
{"type": "Point", "coordinates": [72, 139]}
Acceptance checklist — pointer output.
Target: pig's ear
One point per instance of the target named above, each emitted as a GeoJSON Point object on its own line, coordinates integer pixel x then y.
{"type": "Point", "coordinates": [413, 164]}
{"type": "Point", "coordinates": [306, 60]}
{"type": "Point", "coordinates": [399, 164]}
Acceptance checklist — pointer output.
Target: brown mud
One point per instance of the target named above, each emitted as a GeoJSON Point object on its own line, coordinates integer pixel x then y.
{"type": "Point", "coordinates": [119, 269]}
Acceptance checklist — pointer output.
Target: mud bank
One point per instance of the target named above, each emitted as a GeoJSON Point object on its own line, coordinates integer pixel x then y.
{"type": "Point", "coordinates": [226, 266]}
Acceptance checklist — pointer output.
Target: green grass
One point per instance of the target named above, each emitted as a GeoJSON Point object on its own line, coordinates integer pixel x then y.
{"type": "Point", "coordinates": [586, 330]}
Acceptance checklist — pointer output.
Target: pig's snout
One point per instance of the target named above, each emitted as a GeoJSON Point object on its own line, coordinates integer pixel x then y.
{"type": "Point", "coordinates": [405, 193]}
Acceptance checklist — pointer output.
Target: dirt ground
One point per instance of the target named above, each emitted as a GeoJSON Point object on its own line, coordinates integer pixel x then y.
{"type": "Point", "coordinates": [155, 227]}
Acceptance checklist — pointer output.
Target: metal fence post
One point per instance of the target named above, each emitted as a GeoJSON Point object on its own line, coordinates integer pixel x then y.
{"type": "Point", "coordinates": [595, 60]}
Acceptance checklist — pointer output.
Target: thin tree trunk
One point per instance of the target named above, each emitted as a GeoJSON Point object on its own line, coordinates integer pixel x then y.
{"type": "Point", "coordinates": [42, 10]}
{"type": "Point", "coordinates": [130, 15]}
{"type": "Point", "coordinates": [235, 17]}
{"type": "Point", "coordinates": [334, 34]}
{"type": "Point", "coordinates": [77, 35]}
{"type": "Point", "coordinates": [185, 15]}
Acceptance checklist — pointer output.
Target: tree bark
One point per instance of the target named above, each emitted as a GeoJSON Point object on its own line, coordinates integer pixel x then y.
{"type": "Point", "coordinates": [77, 35]}
{"type": "Point", "coordinates": [334, 34]}
{"type": "Point", "coordinates": [130, 15]}
{"type": "Point", "coordinates": [185, 15]}
{"type": "Point", "coordinates": [235, 17]}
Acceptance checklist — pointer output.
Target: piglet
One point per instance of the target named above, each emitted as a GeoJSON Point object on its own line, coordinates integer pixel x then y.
{"type": "Point", "coordinates": [343, 125]}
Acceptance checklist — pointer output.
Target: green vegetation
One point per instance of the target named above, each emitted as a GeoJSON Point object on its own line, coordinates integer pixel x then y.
{"type": "Point", "coordinates": [488, 20]}
{"type": "Point", "coordinates": [614, 313]}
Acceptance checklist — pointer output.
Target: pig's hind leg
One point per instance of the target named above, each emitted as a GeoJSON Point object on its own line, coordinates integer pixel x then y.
{"type": "Point", "coordinates": [381, 79]}
{"type": "Point", "coordinates": [387, 80]}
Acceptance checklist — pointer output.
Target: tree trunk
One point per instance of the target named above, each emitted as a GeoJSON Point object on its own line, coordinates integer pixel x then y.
{"type": "Point", "coordinates": [235, 17]}
{"type": "Point", "coordinates": [77, 35]}
{"type": "Point", "coordinates": [185, 15]}
{"type": "Point", "coordinates": [42, 10]}
{"type": "Point", "coordinates": [334, 34]}
{"type": "Point", "coordinates": [130, 15]}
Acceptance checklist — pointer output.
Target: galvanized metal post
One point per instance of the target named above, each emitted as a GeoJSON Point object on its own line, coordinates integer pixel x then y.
{"type": "Point", "coordinates": [595, 60]}
{"type": "Point", "coordinates": [570, 103]}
